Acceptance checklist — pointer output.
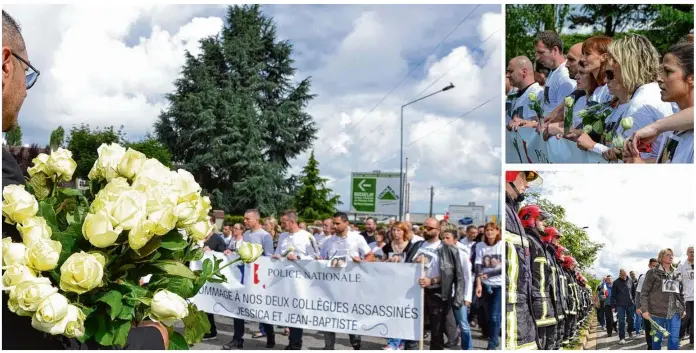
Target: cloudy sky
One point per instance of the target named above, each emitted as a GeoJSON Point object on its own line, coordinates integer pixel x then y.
{"type": "Point", "coordinates": [112, 66]}
{"type": "Point", "coordinates": [634, 213]}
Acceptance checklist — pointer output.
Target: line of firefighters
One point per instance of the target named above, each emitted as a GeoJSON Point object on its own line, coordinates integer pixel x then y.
{"type": "Point", "coordinates": [548, 300]}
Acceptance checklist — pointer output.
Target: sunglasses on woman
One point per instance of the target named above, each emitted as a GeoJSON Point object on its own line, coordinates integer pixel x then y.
{"type": "Point", "coordinates": [31, 74]}
{"type": "Point", "coordinates": [610, 74]}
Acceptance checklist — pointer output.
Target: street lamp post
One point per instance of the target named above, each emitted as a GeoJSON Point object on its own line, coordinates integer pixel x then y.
{"type": "Point", "coordinates": [401, 154]}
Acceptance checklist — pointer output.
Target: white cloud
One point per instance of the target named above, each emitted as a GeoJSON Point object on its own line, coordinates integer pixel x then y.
{"type": "Point", "coordinates": [112, 66]}
{"type": "Point", "coordinates": [635, 213]}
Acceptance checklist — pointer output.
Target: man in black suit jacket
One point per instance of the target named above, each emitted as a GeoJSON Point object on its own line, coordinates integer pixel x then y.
{"type": "Point", "coordinates": [18, 75]}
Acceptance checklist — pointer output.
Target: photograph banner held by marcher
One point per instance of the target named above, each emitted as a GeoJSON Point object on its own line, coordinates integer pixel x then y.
{"type": "Point", "coordinates": [527, 146]}
{"type": "Point", "coordinates": [367, 298]}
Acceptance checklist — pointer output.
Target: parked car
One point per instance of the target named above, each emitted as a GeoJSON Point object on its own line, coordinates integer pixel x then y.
{"type": "Point", "coordinates": [466, 221]}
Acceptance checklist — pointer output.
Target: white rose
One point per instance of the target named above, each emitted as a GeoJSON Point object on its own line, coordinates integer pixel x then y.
{"type": "Point", "coordinates": [62, 165]}
{"type": "Point", "coordinates": [199, 230]}
{"type": "Point", "coordinates": [106, 166]}
{"type": "Point", "coordinates": [43, 255]}
{"type": "Point", "coordinates": [18, 204]}
{"type": "Point", "coordinates": [186, 186]}
{"type": "Point", "coordinates": [160, 197]}
{"type": "Point", "coordinates": [627, 123]}
{"type": "Point", "coordinates": [30, 293]}
{"type": "Point", "coordinates": [81, 273]}
{"type": "Point", "coordinates": [140, 234]}
{"type": "Point", "coordinates": [128, 209]}
{"type": "Point", "coordinates": [249, 252]}
{"type": "Point", "coordinates": [163, 220]}
{"type": "Point", "coordinates": [569, 102]}
{"type": "Point", "coordinates": [13, 253]}
{"type": "Point", "coordinates": [72, 325]}
{"type": "Point", "coordinates": [532, 97]}
{"type": "Point", "coordinates": [152, 174]}
{"type": "Point", "coordinates": [110, 193]}
{"type": "Point", "coordinates": [204, 208]}
{"type": "Point", "coordinates": [50, 312]}
{"type": "Point", "coordinates": [34, 229]}
{"type": "Point", "coordinates": [131, 163]}
{"type": "Point", "coordinates": [40, 165]}
{"type": "Point", "coordinates": [13, 305]}
{"type": "Point", "coordinates": [97, 228]}
{"type": "Point", "coordinates": [16, 274]}
{"type": "Point", "coordinates": [168, 307]}
{"type": "Point", "coordinates": [187, 213]}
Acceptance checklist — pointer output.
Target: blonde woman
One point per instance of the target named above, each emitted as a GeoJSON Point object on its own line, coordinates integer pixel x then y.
{"type": "Point", "coordinates": [270, 224]}
{"type": "Point", "coordinates": [662, 300]}
{"type": "Point", "coordinates": [631, 74]}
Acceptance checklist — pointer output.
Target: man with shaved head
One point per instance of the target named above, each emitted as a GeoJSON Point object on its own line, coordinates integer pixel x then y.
{"type": "Point", "coordinates": [573, 59]}
{"type": "Point", "coordinates": [520, 72]}
{"type": "Point", "coordinates": [622, 304]}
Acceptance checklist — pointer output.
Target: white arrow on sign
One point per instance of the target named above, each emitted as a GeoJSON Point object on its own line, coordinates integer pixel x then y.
{"type": "Point", "coordinates": [362, 185]}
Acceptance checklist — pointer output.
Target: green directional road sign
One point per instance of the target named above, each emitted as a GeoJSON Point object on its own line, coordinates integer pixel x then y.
{"type": "Point", "coordinates": [363, 198]}
{"type": "Point", "coordinates": [375, 193]}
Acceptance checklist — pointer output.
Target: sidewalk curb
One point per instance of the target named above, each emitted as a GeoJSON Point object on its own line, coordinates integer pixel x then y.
{"type": "Point", "coordinates": [589, 342]}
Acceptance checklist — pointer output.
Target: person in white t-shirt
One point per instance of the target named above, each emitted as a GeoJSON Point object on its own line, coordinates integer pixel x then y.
{"type": "Point", "coordinates": [346, 244]}
{"type": "Point", "coordinates": [295, 244]}
{"type": "Point", "coordinates": [632, 74]}
{"type": "Point", "coordinates": [686, 270]}
{"type": "Point", "coordinates": [676, 82]}
{"type": "Point", "coordinates": [549, 53]}
{"type": "Point", "coordinates": [520, 72]}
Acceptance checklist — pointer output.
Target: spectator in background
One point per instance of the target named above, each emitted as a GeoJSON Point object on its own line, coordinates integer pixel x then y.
{"type": "Point", "coordinates": [646, 325]}
{"type": "Point", "coordinates": [686, 270]}
{"type": "Point", "coordinates": [606, 304]}
{"type": "Point", "coordinates": [370, 230]}
{"type": "Point", "coordinates": [540, 78]}
{"type": "Point", "coordinates": [622, 304]}
{"type": "Point", "coordinates": [489, 281]}
{"type": "Point", "coordinates": [303, 225]}
{"type": "Point", "coordinates": [379, 243]}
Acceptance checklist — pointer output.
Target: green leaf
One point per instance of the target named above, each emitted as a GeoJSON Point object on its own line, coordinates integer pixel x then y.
{"type": "Point", "coordinates": [173, 241]}
{"type": "Point", "coordinates": [67, 240]}
{"type": "Point", "coordinates": [194, 255]}
{"type": "Point", "coordinates": [127, 312]}
{"type": "Point", "coordinates": [179, 285]}
{"type": "Point", "coordinates": [134, 291]}
{"type": "Point", "coordinates": [70, 192]}
{"type": "Point", "coordinates": [177, 342]}
{"type": "Point", "coordinates": [172, 268]}
{"type": "Point", "coordinates": [104, 335]}
{"type": "Point", "coordinates": [146, 250]}
{"type": "Point", "coordinates": [71, 218]}
{"type": "Point", "coordinates": [120, 332]}
{"type": "Point", "coordinates": [48, 213]}
{"type": "Point", "coordinates": [196, 325]}
{"type": "Point", "coordinates": [113, 299]}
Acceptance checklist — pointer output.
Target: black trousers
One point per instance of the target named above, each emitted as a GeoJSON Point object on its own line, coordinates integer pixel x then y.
{"type": "Point", "coordinates": [238, 330]}
{"type": "Point", "coordinates": [436, 312]}
{"type": "Point", "coordinates": [330, 340]}
{"type": "Point", "coordinates": [687, 324]}
{"type": "Point", "coordinates": [213, 329]}
{"type": "Point", "coordinates": [646, 329]}
{"type": "Point", "coordinates": [451, 327]}
{"type": "Point", "coordinates": [608, 318]}
{"type": "Point", "coordinates": [547, 336]}
{"type": "Point", "coordinates": [483, 315]}
{"type": "Point", "coordinates": [295, 338]}
{"type": "Point", "coordinates": [560, 326]}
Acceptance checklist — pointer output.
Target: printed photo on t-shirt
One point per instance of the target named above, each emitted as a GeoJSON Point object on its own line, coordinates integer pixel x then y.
{"type": "Point", "coordinates": [669, 150]}
{"type": "Point", "coordinates": [399, 255]}
{"type": "Point", "coordinates": [427, 256]}
{"type": "Point", "coordinates": [547, 99]}
{"type": "Point", "coordinates": [492, 262]}
{"type": "Point", "coordinates": [670, 286]}
{"type": "Point", "coordinates": [338, 262]}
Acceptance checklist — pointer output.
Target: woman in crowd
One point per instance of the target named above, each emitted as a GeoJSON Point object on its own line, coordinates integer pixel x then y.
{"type": "Point", "coordinates": [677, 85]}
{"type": "Point", "coordinates": [489, 281]}
{"type": "Point", "coordinates": [632, 80]}
{"type": "Point", "coordinates": [449, 237]}
{"type": "Point", "coordinates": [270, 224]}
{"type": "Point", "coordinates": [379, 243]}
{"type": "Point", "coordinates": [400, 244]}
{"type": "Point", "coordinates": [662, 300]}
{"type": "Point", "coordinates": [595, 56]}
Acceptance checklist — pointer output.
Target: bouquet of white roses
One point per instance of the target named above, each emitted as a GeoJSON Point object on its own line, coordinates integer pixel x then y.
{"type": "Point", "coordinates": [77, 270]}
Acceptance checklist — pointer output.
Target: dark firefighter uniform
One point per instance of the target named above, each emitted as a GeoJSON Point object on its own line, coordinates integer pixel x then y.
{"type": "Point", "coordinates": [556, 292]}
{"type": "Point", "coordinates": [572, 306]}
{"type": "Point", "coordinates": [543, 306]}
{"type": "Point", "coordinates": [520, 330]}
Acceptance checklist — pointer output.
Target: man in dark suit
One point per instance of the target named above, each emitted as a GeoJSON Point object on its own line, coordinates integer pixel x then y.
{"type": "Point", "coordinates": [18, 76]}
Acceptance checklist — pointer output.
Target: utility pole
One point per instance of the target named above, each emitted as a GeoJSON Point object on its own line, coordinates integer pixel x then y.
{"type": "Point", "coordinates": [432, 194]}
{"type": "Point", "coordinates": [404, 198]}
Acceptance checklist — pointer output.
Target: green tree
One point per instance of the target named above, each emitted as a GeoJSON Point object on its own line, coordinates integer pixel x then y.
{"type": "Point", "coordinates": [57, 138]}
{"type": "Point", "coordinates": [613, 18]}
{"type": "Point", "coordinates": [13, 137]}
{"type": "Point", "coordinates": [152, 148]}
{"type": "Point", "coordinates": [84, 142]}
{"type": "Point", "coordinates": [670, 24]}
{"type": "Point", "coordinates": [575, 239]}
{"type": "Point", "coordinates": [236, 118]}
{"type": "Point", "coordinates": [523, 22]}
{"type": "Point", "coordinates": [313, 199]}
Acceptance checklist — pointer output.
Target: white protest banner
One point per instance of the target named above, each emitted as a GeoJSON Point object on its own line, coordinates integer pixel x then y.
{"type": "Point", "coordinates": [527, 146]}
{"type": "Point", "coordinates": [366, 298]}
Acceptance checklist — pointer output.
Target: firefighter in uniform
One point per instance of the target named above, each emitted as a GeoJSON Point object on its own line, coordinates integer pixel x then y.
{"type": "Point", "coordinates": [551, 233]}
{"type": "Point", "coordinates": [520, 326]}
{"type": "Point", "coordinates": [562, 285]}
{"type": "Point", "coordinates": [543, 306]}
{"type": "Point", "coordinates": [568, 270]}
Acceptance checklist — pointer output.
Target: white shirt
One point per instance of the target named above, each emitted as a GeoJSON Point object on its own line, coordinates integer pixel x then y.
{"type": "Point", "coordinates": [483, 250]}
{"type": "Point", "coordinates": [646, 107]}
{"type": "Point", "coordinates": [521, 106]}
{"type": "Point", "coordinates": [353, 244]}
{"type": "Point", "coordinates": [601, 95]}
{"type": "Point", "coordinates": [416, 238]}
{"type": "Point", "coordinates": [678, 147]}
{"type": "Point", "coordinates": [301, 242]}
{"type": "Point", "coordinates": [687, 279]}
{"type": "Point", "coordinates": [579, 105]}
{"type": "Point", "coordinates": [321, 238]}
{"type": "Point", "coordinates": [465, 259]}
{"type": "Point", "coordinates": [558, 86]}
{"type": "Point", "coordinates": [640, 283]}
{"type": "Point", "coordinates": [432, 262]}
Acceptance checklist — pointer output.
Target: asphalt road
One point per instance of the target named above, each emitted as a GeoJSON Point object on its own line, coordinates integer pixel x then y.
{"type": "Point", "coordinates": [312, 340]}
{"type": "Point", "coordinates": [637, 343]}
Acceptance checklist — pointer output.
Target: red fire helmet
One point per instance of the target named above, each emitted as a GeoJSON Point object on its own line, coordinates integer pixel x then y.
{"type": "Point", "coordinates": [531, 176]}
{"type": "Point", "coordinates": [549, 234]}
{"type": "Point", "coordinates": [530, 214]}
